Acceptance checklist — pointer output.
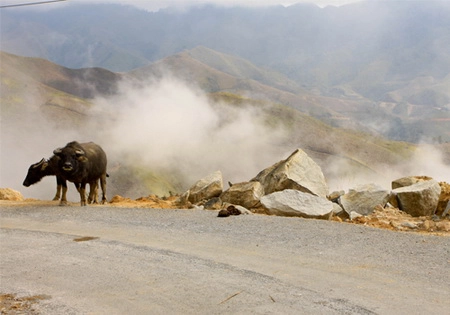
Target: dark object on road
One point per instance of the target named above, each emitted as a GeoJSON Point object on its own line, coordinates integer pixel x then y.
{"type": "Point", "coordinates": [231, 210]}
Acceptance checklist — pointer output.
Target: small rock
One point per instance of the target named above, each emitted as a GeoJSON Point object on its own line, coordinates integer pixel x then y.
{"type": "Point", "coordinates": [118, 199]}
{"type": "Point", "coordinates": [397, 225]}
{"type": "Point", "coordinates": [428, 224]}
{"type": "Point", "coordinates": [409, 225]}
{"type": "Point", "coordinates": [353, 215]}
{"type": "Point", "coordinates": [214, 203]}
{"type": "Point", "coordinates": [233, 211]}
{"type": "Point", "coordinates": [243, 210]}
{"type": "Point", "coordinates": [230, 210]}
{"type": "Point", "coordinates": [443, 226]}
{"type": "Point", "coordinates": [435, 218]}
{"type": "Point", "coordinates": [10, 194]}
{"type": "Point", "coordinates": [223, 213]}
{"type": "Point", "coordinates": [334, 196]}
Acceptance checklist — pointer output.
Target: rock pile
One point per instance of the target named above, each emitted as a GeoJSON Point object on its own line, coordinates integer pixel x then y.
{"type": "Point", "coordinates": [296, 186]}
{"type": "Point", "coordinates": [10, 194]}
{"type": "Point", "coordinates": [419, 197]}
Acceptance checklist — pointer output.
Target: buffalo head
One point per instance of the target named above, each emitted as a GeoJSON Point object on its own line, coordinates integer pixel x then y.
{"type": "Point", "coordinates": [70, 158]}
{"type": "Point", "coordinates": [35, 173]}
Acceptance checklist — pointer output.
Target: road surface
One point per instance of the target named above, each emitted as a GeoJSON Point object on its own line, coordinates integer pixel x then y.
{"type": "Point", "coordinates": [110, 260]}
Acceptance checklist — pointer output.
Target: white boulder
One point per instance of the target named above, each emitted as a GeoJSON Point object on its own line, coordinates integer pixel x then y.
{"type": "Point", "coordinates": [291, 202]}
{"type": "Point", "coordinates": [297, 172]}
{"type": "Point", "coordinates": [364, 198]}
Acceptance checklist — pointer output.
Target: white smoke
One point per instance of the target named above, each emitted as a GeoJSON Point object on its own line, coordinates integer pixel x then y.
{"type": "Point", "coordinates": [27, 137]}
{"type": "Point", "coordinates": [166, 125]}
{"type": "Point", "coordinates": [426, 160]}
{"type": "Point", "coordinates": [172, 126]}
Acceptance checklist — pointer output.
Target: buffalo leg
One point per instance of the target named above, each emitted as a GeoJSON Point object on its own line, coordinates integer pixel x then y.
{"type": "Point", "coordinates": [58, 191]}
{"type": "Point", "coordinates": [63, 184]}
{"type": "Point", "coordinates": [93, 193]}
{"type": "Point", "coordinates": [83, 194]}
{"type": "Point", "coordinates": [103, 185]}
{"type": "Point", "coordinates": [77, 186]}
{"type": "Point", "coordinates": [59, 186]}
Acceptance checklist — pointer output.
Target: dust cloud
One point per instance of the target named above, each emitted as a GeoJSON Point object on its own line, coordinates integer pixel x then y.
{"type": "Point", "coordinates": [26, 137]}
{"type": "Point", "coordinates": [166, 125]}
{"type": "Point", "coordinates": [172, 126]}
{"type": "Point", "coordinates": [426, 160]}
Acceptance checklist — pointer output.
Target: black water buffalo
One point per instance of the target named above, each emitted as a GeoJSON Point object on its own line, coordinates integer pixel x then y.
{"type": "Point", "coordinates": [82, 163]}
{"type": "Point", "coordinates": [49, 167]}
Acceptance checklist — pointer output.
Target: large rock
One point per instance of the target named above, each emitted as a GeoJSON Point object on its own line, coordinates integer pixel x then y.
{"type": "Point", "coordinates": [408, 181]}
{"type": "Point", "coordinates": [297, 172]}
{"type": "Point", "coordinates": [364, 198]}
{"type": "Point", "coordinates": [420, 199]}
{"type": "Point", "coordinates": [206, 188]}
{"type": "Point", "coordinates": [292, 202]}
{"type": "Point", "coordinates": [10, 194]}
{"type": "Point", "coordinates": [446, 211]}
{"type": "Point", "coordinates": [246, 194]}
{"type": "Point", "coordinates": [444, 199]}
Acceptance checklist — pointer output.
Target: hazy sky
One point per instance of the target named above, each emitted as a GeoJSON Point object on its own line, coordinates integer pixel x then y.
{"type": "Point", "coordinates": [157, 4]}
{"type": "Point", "coordinates": [154, 5]}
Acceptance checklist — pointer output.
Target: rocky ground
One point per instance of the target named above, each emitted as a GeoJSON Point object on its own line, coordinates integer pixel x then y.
{"type": "Point", "coordinates": [397, 220]}
{"type": "Point", "coordinates": [384, 218]}
{"type": "Point", "coordinates": [11, 304]}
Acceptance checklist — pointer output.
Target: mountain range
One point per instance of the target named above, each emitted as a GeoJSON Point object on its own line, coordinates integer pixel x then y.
{"type": "Point", "coordinates": [388, 62]}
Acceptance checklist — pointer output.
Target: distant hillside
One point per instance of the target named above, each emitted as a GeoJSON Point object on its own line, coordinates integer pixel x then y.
{"type": "Point", "coordinates": [217, 72]}
{"type": "Point", "coordinates": [40, 111]}
{"type": "Point", "coordinates": [384, 64]}
{"type": "Point", "coordinates": [393, 118]}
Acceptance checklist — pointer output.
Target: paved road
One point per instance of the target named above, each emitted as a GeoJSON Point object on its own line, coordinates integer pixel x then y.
{"type": "Point", "coordinates": [152, 261]}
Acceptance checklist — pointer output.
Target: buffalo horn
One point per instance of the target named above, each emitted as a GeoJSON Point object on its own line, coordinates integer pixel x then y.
{"type": "Point", "coordinates": [39, 163]}
{"type": "Point", "coordinates": [79, 152]}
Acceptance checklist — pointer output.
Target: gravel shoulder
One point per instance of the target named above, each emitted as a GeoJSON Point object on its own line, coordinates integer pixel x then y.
{"type": "Point", "coordinates": [102, 259]}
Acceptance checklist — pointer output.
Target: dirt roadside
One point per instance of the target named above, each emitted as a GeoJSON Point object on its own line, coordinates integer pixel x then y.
{"type": "Point", "coordinates": [389, 218]}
